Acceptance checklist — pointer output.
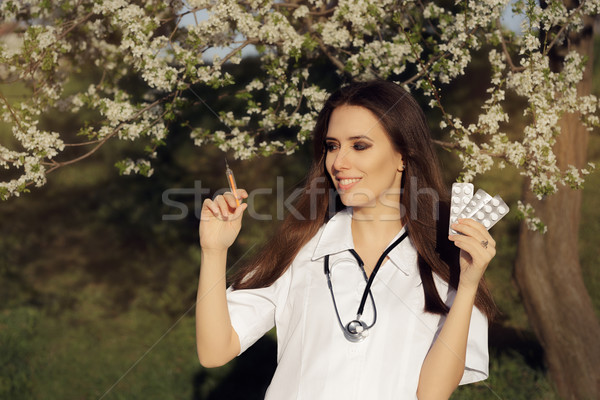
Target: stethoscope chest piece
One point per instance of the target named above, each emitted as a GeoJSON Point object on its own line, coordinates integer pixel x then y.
{"type": "Point", "coordinates": [356, 331]}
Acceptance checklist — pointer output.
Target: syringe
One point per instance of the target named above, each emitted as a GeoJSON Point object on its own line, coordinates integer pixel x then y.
{"type": "Point", "coordinates": [231, 181]}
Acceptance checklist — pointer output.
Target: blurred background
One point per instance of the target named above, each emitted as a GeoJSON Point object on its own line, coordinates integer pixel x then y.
{"type": "Point", "coordinates": [97, 284]}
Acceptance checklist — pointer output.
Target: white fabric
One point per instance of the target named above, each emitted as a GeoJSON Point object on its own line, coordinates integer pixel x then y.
{"type": "Point", "coordinates": [315, 361]}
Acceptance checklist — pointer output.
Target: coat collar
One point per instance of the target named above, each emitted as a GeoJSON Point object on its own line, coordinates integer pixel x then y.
{"type": "Point", "coordinates": [336, 238]}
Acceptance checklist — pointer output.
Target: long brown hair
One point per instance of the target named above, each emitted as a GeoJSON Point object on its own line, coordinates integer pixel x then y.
{"type": "Point", "coordinates": [424, 198]}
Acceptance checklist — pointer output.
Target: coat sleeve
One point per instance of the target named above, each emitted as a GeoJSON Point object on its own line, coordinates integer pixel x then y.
{"type": "Point", "coordinates": [252, 311]}
{"type": "Point", "coordinates": [477, 359]}
{"type": "Point", "coordinates": [477, 356]}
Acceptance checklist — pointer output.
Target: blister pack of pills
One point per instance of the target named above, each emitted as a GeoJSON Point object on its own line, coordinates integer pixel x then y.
{"type": "Point", "coordinates": [462, 193]}
{"type": "Point", "coordinates": [480, 206]}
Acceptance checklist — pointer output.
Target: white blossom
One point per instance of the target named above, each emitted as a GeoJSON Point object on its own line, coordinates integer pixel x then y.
{"type": "Point", "coordinates": [420, 46]}
{"type": "Point", "coordinates": [527, 213]}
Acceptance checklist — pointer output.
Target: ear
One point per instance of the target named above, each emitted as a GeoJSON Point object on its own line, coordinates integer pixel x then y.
{"type": "Point", "coordinates": [400, 167]}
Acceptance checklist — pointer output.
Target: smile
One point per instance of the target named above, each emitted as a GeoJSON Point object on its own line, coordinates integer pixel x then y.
{"type": "Point", "coordinates": [347, 183]}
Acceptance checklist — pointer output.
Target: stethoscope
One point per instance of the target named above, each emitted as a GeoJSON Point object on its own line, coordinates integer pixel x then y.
{"type": "Point", "coordinates": [357, 330]}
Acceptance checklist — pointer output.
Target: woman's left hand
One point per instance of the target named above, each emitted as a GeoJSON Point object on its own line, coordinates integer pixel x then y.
{"type": "Point", "coordinates": [477, 248]}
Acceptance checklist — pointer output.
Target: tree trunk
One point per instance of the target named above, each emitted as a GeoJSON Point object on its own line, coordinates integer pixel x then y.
{"type": "Point", "coordinates": [548, 272]}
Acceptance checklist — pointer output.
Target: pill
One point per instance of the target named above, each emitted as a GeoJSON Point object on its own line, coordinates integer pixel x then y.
{"type": "Point", "coordinates": [487, 208]}
{"type": "Point", "coordinates": [486, 223]}
{"type": "Point", "coordinates": [457, 189]}
{"type": "Point", "coordinates": [455, 209]}
{"type": "Point", "coordinates": [501, 210]}
{"type": "Point", "coordinates": [466, 200]}
{"type": "Point", "coordinates": [494, 216]}
{"type": "Point", "coordinates": [480, 215]}
{"type": "Point", "coordinates": [495, 202]}
{"type": "Point", "coordinates": [467, 190]}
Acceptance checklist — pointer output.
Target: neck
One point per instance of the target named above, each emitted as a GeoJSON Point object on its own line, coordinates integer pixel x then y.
{"type": "Point", "coordinates": [375, 225]}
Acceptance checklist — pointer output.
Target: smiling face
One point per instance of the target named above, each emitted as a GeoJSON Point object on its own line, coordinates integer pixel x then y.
{"type": "Point", "coordinates": [361, 160]}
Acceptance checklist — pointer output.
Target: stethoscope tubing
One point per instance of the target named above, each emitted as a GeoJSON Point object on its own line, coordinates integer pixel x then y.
{"type": "Point", "coordinates": [329, 284]}
{"type": "Point", "coordinates": [359, 336]}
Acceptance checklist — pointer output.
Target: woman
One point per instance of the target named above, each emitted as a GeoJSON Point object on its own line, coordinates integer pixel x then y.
{"type": "Point", "coordinates": [373, 301]}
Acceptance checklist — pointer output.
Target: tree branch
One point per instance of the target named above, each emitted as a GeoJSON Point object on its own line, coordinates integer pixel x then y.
{"type": "Point", "coordinates": [102, 141]}
{"type": "Point", "coordinates": [277, 6]}
{"type": "Point", "coordinates": [59, 37]}
{"type": "Point", "coordinates": [424, 70]}
{"type": "Point", "coordinates": [513, 67]}
{"type": "Point", "coordinates": [299, 101]}
{"type": "Point", "coordinates": [175, 29]}
{"type": "Point", "coordinates": [456, 146]}
{"type": "Point", "coordinates": [237, 49]}
{"type": "Point", "coordinates": [86, 155]}
{"type": "Point", "coordinates": [446, 145]}
{"type": "Point", "coordinates": [331, 57]}
{"type": "Point", "coordinates": [563, 28]}
{"type": "Point", "coordinates": [12, 112]}
{"type": "Point", "coordinates": [434, 88]}
{"type": "Point", "coordinates": [7, 28]}
{"type": "Point", "coordinates": [82, 143]}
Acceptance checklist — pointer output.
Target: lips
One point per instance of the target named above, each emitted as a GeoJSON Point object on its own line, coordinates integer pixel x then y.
{"type": "Point", "coordinates": [346, 183]}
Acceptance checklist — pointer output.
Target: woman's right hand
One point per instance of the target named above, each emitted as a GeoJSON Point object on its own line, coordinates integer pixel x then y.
{"type": "Point", "coordinates": [221, 221]}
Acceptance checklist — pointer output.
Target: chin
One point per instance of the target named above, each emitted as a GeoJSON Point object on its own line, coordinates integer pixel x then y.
{"type": "Point", "coordinates": [356, 200]}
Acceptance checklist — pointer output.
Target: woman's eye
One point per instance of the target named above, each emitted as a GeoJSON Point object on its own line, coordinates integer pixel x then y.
{"type": "Point", "coordinates": [360, 146]}
{"type": "Point", "coordinates": [330, 146]}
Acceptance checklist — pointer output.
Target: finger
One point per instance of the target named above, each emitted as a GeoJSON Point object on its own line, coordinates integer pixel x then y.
{"type": "Point", "coordinates": [472, 225]}
{"type": "Point", "coordinates": [240, 194]}
{"type": "Point", "coordinates": [465, 230]}
{"type": "Point", "coordinates": [235, 214]}
{"type": "Point", "coordinates": [475, 248]}
{"type": "Point", "coordinates": [210, 207]}
{"type": "Point", "coordinates": [239, 211]}
{"type": "Point", "coordinates": [230, 198]}
{"type": "Point", "coordinates": [475, 229]}
{"type": "Point", "coordinates": [224, 207]}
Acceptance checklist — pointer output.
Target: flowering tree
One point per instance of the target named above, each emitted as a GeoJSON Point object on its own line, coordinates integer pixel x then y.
{"type": "Point", "coordinates": [420, 44]}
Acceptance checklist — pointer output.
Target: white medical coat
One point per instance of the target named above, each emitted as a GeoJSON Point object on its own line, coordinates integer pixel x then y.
{"type": "Point", "coordinates": [314, 360]}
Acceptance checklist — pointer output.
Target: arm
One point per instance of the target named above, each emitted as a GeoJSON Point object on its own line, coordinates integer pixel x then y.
{"type": "Point", "coordinates": [444, 365]}
{"type": "Point", "coordinates": [216, 340]}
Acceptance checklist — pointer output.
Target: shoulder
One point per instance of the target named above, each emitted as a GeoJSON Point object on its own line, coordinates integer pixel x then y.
{"type": "Point", "coordinates": [305, 255]}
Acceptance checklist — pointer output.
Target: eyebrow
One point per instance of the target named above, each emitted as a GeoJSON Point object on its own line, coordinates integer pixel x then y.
{"type": "Point", "coordinates": [352, 138]}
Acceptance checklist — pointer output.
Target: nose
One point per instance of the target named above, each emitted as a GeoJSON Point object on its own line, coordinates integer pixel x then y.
{"type": "Point", "coordinates": [340, 162]}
